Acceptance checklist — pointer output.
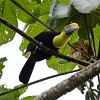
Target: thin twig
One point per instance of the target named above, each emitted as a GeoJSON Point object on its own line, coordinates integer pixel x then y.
{"type": "Point", "coordinates": [37, 81]}
{"type": "Point", "coordinates": [72, 46]}
{"type": "Point", "coordinates": [33, 16]}
{"type": "Point", "coordinates": [44, 48]}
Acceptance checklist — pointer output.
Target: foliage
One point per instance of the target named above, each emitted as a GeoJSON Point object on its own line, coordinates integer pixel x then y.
{"type": "Point", "coordinates": [7, 12]}
{"type": "Point", "coordinates": [2, 60]}
{"type": "Point", "coordinates": [56, 14]}
{"type": "Point", "coordinates": [14, 95]}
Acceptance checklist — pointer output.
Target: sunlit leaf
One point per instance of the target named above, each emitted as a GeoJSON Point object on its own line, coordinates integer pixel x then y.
{"type": "Point", "coordinates": [53, 63]}
{"type": "Point", "coordinates": [13, 95]}
{"type": "Point", "coordinates": [33, 30]}
{"type": "Point", "coordinates": [64, 1]}
{"type": "Point", "coordinates": [85, 6]}
{"type": "Point", "coordinates": [8, 13]}
{"type": "Point", "coordinates": [2, 60]}
{"type": "Point", "coordinates": [19, 92]}
{"type": "Point", "coordinates": [28, 98]}
{"type": "Point", "coordinates": [97, 36]}
{"type": "Point", "coordinates": [45, 7]}
{"type": "Point", "coordinates": [9, 96]}
{"type": "Point", "coordinates": [30, 6]}
{"type": "Point", "coordinates": [38, 1]}
{"type": "Point", "coordinates": [59, 10]}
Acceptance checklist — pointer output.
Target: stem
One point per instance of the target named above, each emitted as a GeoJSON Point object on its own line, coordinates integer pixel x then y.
{"type": "Point", "coordinates": [72, 46]}
{"type": "Point", "coordinates": [92, 35]}
{"type": "Point", "coordinates": [37, 81]}
{"type": "Point", "coordinates": [33, 16]}
{"type": "Point", "coordinates": [44, 48]}
{"type": "Point", "coordinates": [88, 31]}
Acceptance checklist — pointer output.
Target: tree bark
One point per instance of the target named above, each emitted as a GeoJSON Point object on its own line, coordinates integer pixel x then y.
{"type": "Point", "coordinates": [71, 83]}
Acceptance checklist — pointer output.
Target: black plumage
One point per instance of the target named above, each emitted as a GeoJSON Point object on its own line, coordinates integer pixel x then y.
{"type": "Point", "coordinates": [46, 38]}
{"type": "Point", "coordinates": [52, 40]}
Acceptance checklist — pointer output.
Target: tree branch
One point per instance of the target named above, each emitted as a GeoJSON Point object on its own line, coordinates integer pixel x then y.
{"type": "Point", "coordinates": [44, 48]}
{"type": "Point", "coordinates": [71, 83]}
{"type": "Point", "coordinates": [37, 81]}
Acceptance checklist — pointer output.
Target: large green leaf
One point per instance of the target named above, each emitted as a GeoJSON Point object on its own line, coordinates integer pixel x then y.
{"type": "Point", "coordinates": [97, 15]}
{"type": "Point", "coordinates": [36, 28]}
{"type": "Point", "coordinates": [13, 95]}
{"type": "Point", "coordinates": [2, 60]}
{"type": "Point", "coordinates": [19, 92]}
{"type": "Point", "coordinates": [9, 96]}
{"type": "Point", "coordinates": [60, 68]}
{"type": "Point", "coordinates": [33, 30]}
{"type": "Point", "coordinates": [38, 1]}
{"type": "Point", "coordinates": [8, 13]}
{"type": "Point", "coordinates": [59, 10]}
{"type": "Point", "coordinates": [45, 7]}
{"type": "Point", "coordinates": [85, 6]}
{"type": "Point", "coordinates": [97, 36]}
{"type": "Point", "coordinates": [86, 22]}
{"type": "Point", "coordinates": [30, 6]}
{"type": "Point", "coordinates": [54, 61]}
{"type": "Point", "coordinates": [64, 1]}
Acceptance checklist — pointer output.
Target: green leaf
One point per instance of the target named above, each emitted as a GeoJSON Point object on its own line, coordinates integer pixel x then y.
{"type": "Point", "coordinates": [60, 23]}
{"type": "Point", "coordinates": [86, 22]}
{"type": "Point", "coordinates": [19, 92]}
{"type": "Point", "coordinates": [9, 96]}
{"type": "Point", "coordinates": [13, 95]}
{"type": "Point", "coordinates": [28, 98]}
{"type": "Point", "coordinates": [58, 15]}
{"type": "Point", "coordinates": [8, 13]}
{"type": "Point", "coordinates": [60, 68]}
{"type": "Point", "coordinates": [98, 53]}
{"type": "Point", "coordinates": [64, 1]}
{"type": "Point", "coordinates": [54, 61]}
{"type": "Point", "coordinates": [44, 7]}
{"type": "Point", "coordinates": [30, 6]}
{"type": "Point", "coordinates": [97, 36]}
{"type": "Point", "coordinates": [59, 10]}
{"type": "Point", "coordinates": [38, 1]}
{"type": "Point", "coordinates": [33, 30]}
{"type": "Point", "coordinates": [85, 6]}
{"type": "Point", "coordinates": [2, 60]}
{"type": "Point", "coordinates": [97, 15]}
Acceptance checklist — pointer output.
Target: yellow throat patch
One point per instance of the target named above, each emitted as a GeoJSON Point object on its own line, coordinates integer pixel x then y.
{"type": "Point", "coordinates": [61, 39]}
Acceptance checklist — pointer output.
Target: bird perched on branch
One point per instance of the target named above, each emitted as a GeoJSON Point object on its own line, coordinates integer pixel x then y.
{"type": "Point", "coordinates": [52, 40]}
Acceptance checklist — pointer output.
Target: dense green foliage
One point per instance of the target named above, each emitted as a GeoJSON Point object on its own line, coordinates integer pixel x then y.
{"type": "Point", "coordinates": [56, 14]}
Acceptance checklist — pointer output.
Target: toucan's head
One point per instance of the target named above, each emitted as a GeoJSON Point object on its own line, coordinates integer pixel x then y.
{"type": "Point", "coordinates": [69, 29]}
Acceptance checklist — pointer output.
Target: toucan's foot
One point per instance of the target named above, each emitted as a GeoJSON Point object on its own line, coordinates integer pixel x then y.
{"type": "Point", "coordinates": [41, 44]}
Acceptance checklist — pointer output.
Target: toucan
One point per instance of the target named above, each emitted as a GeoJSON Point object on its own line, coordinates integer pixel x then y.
{"type": "Point", "coordinates": [50, 39]}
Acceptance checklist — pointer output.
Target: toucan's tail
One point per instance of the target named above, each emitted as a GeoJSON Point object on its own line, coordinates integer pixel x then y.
{"type": "Point", "coordinates": [26, 71]}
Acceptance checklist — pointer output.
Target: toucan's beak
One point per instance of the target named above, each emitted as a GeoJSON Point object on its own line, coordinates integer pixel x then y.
{"type": "Point", "coordinates": [69, 29]}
